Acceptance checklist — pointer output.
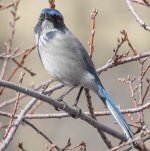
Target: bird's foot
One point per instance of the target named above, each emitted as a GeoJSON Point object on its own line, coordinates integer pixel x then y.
{"type": "Point", "coordinates": [60, 99]}
{"type": "Point", "coordinates": [78, 113]}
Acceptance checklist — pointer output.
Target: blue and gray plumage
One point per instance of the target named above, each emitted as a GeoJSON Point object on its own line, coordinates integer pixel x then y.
{"type": "Point", "coordinates": [66, 60]}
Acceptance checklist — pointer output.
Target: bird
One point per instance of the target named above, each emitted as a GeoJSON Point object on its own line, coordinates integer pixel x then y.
{"type": "Point", "coordinates": [67, 61]}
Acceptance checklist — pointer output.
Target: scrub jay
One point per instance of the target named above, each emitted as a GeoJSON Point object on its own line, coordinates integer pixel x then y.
{"type": "Point", "coordinates": [67, 61]}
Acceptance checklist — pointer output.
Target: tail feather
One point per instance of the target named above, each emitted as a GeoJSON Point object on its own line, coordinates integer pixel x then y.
{"type": "Point", "coordinates": [115, 111]}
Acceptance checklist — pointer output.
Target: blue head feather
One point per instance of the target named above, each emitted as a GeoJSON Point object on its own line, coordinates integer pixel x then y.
{"type": "Point", "coordinates": [50, 11]}
{"type": "Point", "coordinates": [58, 22]}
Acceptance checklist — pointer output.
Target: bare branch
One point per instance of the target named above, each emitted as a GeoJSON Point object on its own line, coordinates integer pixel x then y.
{"type": "Point", "coordinates": [64, 107]}
{"type": "Point", "coordinates": [111, 64]}
{"type": "Point", "coordinates": [141, 2]}
{"type": "Point", "coordinates": [64, 115]}
{"type": "Point", "coordinates": [4, 144]}
{"type": "Point", "coordinates": [138, 19]}
{"type": "Point", "coordinates": [15, 109]}
{"type": "Point", "coordinates": [41, 133]}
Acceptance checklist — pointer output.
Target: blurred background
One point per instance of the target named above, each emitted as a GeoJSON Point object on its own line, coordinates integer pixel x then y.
{"type": "Point", "coordinates": [113, 16]}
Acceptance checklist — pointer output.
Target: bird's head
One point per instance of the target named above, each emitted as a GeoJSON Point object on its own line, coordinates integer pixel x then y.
{"type": "Point", "coordinates": [50, 19]}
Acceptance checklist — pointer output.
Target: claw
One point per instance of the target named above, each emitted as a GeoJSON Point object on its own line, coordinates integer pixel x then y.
{"type": "Point", "coordinates": [64, 105]}
{"type": "Point", "coordinates": [78, 112]}
{"type": "Point", "coordinates": [60, 99]}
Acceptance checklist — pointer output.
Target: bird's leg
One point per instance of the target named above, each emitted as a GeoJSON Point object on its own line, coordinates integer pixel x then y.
{"type": "Point", "coordinates": [78, 97]}
{"type": "Point", "coordinates": [62, 96]}
{"type": "Point", "coordinates": [76, 102]}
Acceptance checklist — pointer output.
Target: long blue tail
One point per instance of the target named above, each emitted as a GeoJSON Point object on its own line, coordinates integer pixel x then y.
{"type": "Point", "coordinates": [114, 111]}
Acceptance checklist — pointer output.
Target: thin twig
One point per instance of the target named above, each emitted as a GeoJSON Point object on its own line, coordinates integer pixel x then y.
{"type": "Point", "coordinates": [125, 144]}
{"type": "Point", "coordinates": [87, 92]}
{"type": "Point", "coordinates": [51, 3]}
{"type": "Point", "coordinates": [41, 133]}
{"type": "Point", "coordinates": [138, 19]}
{"type": "Point", "coordinates": [12, 100]}
{"type": "Point", "coordinates": [14, 109]}
{"type": "Point", "coordinates": [91, 111]}
{"type": "Point", "coordinates": [8, 44]}
{"type": "Point", "coordinates": [81, 145]}
{"type": "Point", "coordinates": [20, 146]}
{"type": "Point", "coordinates": [111, 64]}
{"type": "Point", "coordinates": [141, 2]}
{"type": "Point", "coordinates": [64, 115]}
{"type": "Point", "coordinates": [2, 7]}
{"type": "Point", "coordinates": [21, 62]}
{"type": "Point", "coordinates": [4, 144]}
{"type": "Point", "coordinates": [91, 42]}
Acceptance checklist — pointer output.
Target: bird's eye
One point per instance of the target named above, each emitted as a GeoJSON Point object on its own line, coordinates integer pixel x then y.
{"type": "Point", "coordinates": [47, 15]}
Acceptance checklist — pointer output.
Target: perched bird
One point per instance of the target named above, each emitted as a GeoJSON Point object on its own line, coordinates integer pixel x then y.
{"type": "Point", "coordinates": [65, 59]}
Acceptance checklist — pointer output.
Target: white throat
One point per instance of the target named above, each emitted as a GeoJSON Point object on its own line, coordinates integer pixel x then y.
{"type": "Point", "coordinates": [47, 26]}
